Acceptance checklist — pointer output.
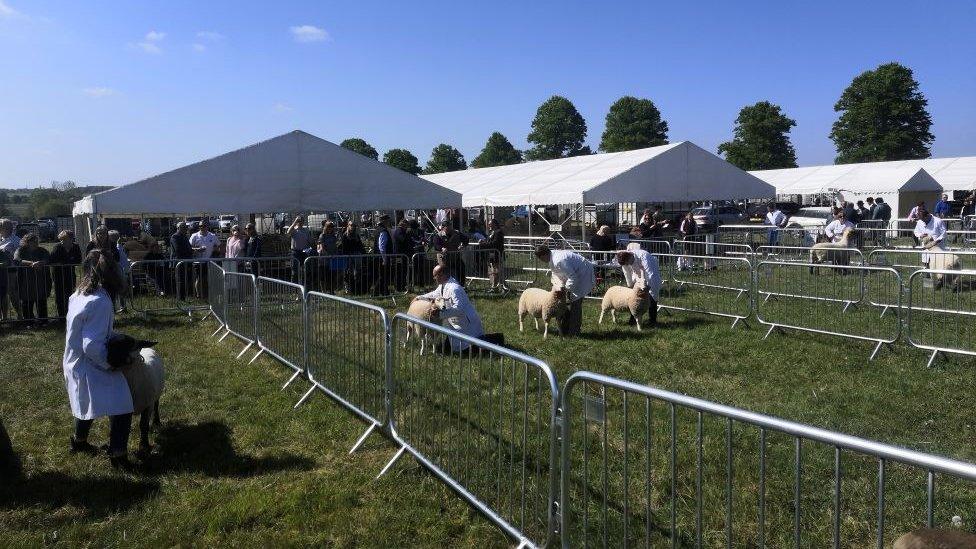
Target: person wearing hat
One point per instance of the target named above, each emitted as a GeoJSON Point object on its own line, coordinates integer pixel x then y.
{"type": "Point", "coordinates": [384, 246]}
{"type": "Point", "coordinates": [448, 244]}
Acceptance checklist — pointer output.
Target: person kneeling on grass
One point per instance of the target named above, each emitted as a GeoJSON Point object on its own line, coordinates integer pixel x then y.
{"type": "Point", "coordinates": [641, 266]}
{"type": "Point", "coordinates": [457, 311]}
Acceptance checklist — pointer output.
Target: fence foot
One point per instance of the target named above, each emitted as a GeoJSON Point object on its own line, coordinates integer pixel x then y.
{"type": "Point", "coordinates": [205, 317]}
{"type": "Point", "coordinates": [227, 333]}
{"type": "Point", "coordinates": [305, 396]}
{"type": "Point", "coordinates": [767, 298]}
{"type": "Point", "coordinates": [392, 461]}
{"type": "Point", "coordinates": [737, 296]}
{"type": "Point", "coordinates": [260, 351]}
{"type": "Point", "coordinates": [932, 358]}
{"type": "Point", "coordinates": [771, 328]}
{"type": "Point", "coordinates": [847, 305]}
{"type": "Point", "coordinates": [876, 349]}
{"type": "Point", "coordinates": [292, 378]}
{"type": "Point", "coordinates": [524, 543]}
{"type": "Point", "coordinates": [362, 439]}
{"type": "Point", "coordinates": [244, 350]}
{"type": "Point", "coordinates": [217, 331]}
{"type": "Point", "coordinates": [885, 310]}
{"type": "Point", "coordinates": [737, 321]}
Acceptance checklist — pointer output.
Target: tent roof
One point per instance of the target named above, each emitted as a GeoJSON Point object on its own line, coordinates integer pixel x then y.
{"type": "Point", "coordinates": [953, 174]}
{"type": "Point", "coordinates": [289, 173]}
{"type": "Point", "coordinates": [669, 173]}
{"type": "Point", "coordinates": [857, 178]}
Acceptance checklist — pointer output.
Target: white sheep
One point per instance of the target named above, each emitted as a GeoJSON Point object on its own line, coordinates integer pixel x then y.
{"type": "Point", "coordinates": [931, 538]}
{"type": "Point", "coordinates": [145, 375]}
{"type": "Point", "coordinates": [539, 303]}
{"type": "Point", "coordinates": [820, 251]}
{"type": "Point", "coordinates": [942, 260]}
{"type": "Point", "coordinates": [424, 310]}
{"type": "Point", "coordinates": [622, 298]}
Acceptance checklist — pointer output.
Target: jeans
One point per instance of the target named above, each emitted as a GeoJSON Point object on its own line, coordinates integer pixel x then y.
{"type": "Point", "coordinates": [118, 432]}
{"type": "Point", "coordinates": [773, 237]}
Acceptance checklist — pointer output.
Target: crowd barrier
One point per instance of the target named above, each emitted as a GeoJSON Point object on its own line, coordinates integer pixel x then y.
{"type": "Point", "coordinates": [280, 321]}
{"type": "Point", "coordinates": [801, 254]}
{"type": "Point", "coordinates": [240, 304]}
{"type": "Point", "coordinates": [154, 286]}
{"type": "Point", "coordinates": [374, 275]}
{"type": "Point", "coordinates": [216, 298]}
{"type": "Point", "coordinates": [941, 311]}
{"type": "Point", "coordinates": [653, 246]}
{"type": "Point", "coordinates": [703, 245]}
{"type": "Point", "coordinates": [712, 285]}
{"type": "Point", "coordinates": [765, 235]}
{"type": "Point", "coordinates": [909, 260]}
{"type": "Point", "coordinates": [472, 267]}
{"type": "Point", "coordinates": [30, 294]}
{"type": "Point", "coordinates": [193, 285]}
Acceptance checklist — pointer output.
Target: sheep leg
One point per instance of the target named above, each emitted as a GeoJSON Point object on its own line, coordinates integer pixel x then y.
{"type": "Point", "coordinates": [602, 310]}
{"type": "Point", "coordinates": [637, 321]}
{"type": "Point", "coordinates": [613, 315]}
{"type": "Point", "coordinates": [144, 421]}
{"type": "Point", "coordinates": [536, 319]}
{"type": "Point", "coordinates": [156, 421]}
{"type": "Point", "coordinates": [520, 321]}
{"type": "Point", "coordinates": [545, 332]}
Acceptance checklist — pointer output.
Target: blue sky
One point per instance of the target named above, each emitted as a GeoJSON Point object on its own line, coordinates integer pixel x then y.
{"type": "Point", "coordinates": [111, 92]}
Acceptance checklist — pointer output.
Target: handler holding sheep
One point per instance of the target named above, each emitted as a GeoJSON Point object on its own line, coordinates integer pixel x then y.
{"type": "Point", "coordinates": [574, 273]}
{"type": "Point", "coordinates": [457, 310]}
{"type": "Point", "coordinates": [932, 227]}
{"type": "Point", "coordinates": [94, 389]}
{"type": "Point", "coordinates": [641, 267]}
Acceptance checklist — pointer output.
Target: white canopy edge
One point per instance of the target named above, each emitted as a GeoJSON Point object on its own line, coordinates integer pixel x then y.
{"type": "Point", "coordinates": [951, 173]}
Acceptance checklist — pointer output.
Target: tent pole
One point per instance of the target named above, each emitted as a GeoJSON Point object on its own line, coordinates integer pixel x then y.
{"type": "Point", "coordinates": [531, 209]}
{"type": "Point", "coordinates": [583, 222]}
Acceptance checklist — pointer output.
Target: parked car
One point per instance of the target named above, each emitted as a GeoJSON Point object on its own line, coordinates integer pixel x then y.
{"type": "Point", "coordinates": [757, 212]}
{"type": "Point", "coordinates": [814, 217]}
{"type": "Point", "coordinates": [711, 217]}
{"type": "Point", "coordinates": [226, 222]}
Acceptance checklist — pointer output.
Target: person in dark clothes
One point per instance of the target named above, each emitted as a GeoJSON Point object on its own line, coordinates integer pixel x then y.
{"type": "Point", "coordinates": [65, 256]}
{"type": "Point", "coordinates": [328, 268]}
{"type": "Point", "coordinates": [179, 248]}
{"type": "Point", "coordinates": [34, 283]}
{"type": "Point", "coordinates": [448, 244]}
{"type": "Point", "coordinates": [495, 241]}
{"type": "Point", "coordinates": [351, 244]}
{"type": "Point", "coordinates": [603, 241]}
{"type": "Point", "coordinates": [401, 247]}
{"type": "Point", "coordinates": [384, 246]}
{"type": "Point", "coordinates": [100, 241]}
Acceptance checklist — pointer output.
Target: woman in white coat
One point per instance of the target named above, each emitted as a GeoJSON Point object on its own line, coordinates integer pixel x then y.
{"type": "Point", "coordinates": [94, 389]}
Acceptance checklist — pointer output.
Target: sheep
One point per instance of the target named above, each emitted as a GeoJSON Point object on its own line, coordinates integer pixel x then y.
{"type": "Point", "coordinates": [624, 298]}
{"type": "Point", "coordinates": [931, 538]}
{"type": "Point", "coordinates": [821, 251]}
{"type": "Point", "coordinates": [942, 260]}
{"type": "Point", "coordinates": [424, 310]}
{"type": "Point", "coordinates": [539, 303]}
{"type": "Point", "coordinates": [145, 375]}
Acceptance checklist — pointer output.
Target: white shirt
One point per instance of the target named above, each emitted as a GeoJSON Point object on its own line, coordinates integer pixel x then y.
{"type": "Point", "coordinates": [10, 243]}
{"type": "Point", "coordinates": [935, 229]}
{"type": "Point", "coordinates": [573, 272]}
{"type": "Point", "coordinates": [458, 312]}
{"type": "Point", "coordinates": [208, 242]}
{"type": "Point", "coordinates": [645, 268]}
{"type": "Point", "coordinates": [835, 229]}
{"type": "Point", "coordinates": [93, 390]}
{"type": "Point", "coordinates": [775, 218]}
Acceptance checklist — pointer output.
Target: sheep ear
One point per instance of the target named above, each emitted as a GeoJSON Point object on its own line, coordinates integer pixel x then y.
{"type": "Point", "coordinates": [143, 344]}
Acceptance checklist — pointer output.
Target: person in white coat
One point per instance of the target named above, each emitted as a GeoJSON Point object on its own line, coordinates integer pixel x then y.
{"type": "Point", "coordinates": [573, 272]}
{"type": "Point", "coordinates": [834, 231]}
{"type": "Point", "coordinates": [94, 389]}
{"type": "Point", "coordinates": [457, 311]}
{"type": "Point", "coordinates": [641, 266]}
{"type": "Point", "coordinates": [932, 227]}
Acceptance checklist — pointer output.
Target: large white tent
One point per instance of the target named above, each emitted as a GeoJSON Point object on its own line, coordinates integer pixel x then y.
{"type": "Point", "coordinates": [678, 172]}
{"type": "Point", "coordinates": [900, 184]}
{"type": "Point", "coordinates": [290, 173]}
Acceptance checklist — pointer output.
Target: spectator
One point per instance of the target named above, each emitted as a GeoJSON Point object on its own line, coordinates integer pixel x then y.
{"type": "Point", "coordinates": [574, 273]}
{"type": "Point", "coordinates": [94, 388]}
{"type": "Point", "coordinates": [603, 241]}
{"type": "Point", "coordinates": [777, 220]}
{"type": "Point", "coordinates": [641, 265]}
{"type": "Point", "coordinates": [914, 216]}
{"type": "Point", "coordinates": [882, 210]}
{"type": "Point", "coordinates": [448, 244]}
{"type": "Point", "coordinates": [33, 278]}
{"type": "Point", "coordinates": [402, 245]}
{"type": "Point", "coordinates": [253, 247]}
{"type": "Point", "coordinates": [495, 242]}
{"type": "Point", "coordinates": [457, 311]}
{"type": "Point", "coordinates": [349, 241]}
{"type": "Point", "coordinates": [871, 207]}
{"type": "Point", "coordinates": [863, 213]}
{"type": "Point", "coordinates": [100, 241]}
{"type": "Point", "coordinates": [65, 256]}
{"type": "Point", "coordinates": [933, 227]}
{"type": "Point", "coordinates": [205, 244]}
{"type": "Point", "coordinates": [180, 249]}
{"type": "Point", "coordinates": [328, 268]}
{"type": "Point", "coordinates": [236, 244]}
{"type": "Point", "coordinates": [383, 246]}
{"type": "Point", "coordinates": [969, 206]}
{"type": "Point", "coordinates": [125, 293]}
{"type": "Point", "coordinates": [658, 222]}
{"type": "Point", "coordinates": [9, 242]}
{"type": "Point", "coordinates": [301, 246]}
{"type": "Point", "coordinates": [686, 229]}
{"type": "Point", "coordinates": [850, 213]}
{"type": "Point", "coordinates": [942, 208]}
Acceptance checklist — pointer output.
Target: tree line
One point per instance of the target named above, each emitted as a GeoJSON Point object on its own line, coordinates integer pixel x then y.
{"type": "Point", "coordinates": [883, 116]}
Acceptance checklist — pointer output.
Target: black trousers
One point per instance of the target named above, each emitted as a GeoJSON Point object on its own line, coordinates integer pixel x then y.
{"type": "Point", "coordinates": [118, 432]}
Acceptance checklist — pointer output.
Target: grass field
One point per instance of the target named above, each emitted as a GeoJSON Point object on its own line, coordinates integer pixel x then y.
{"type": "Point", "coordinates": [238, 466]}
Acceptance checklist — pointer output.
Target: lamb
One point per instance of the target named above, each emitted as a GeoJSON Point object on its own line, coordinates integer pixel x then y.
{"type": "Point", "coordinates": [143, 371]}
{"type": "Point", "coordinates": [424, 310]}
{"type": "Point", "coordinates": [539, 303]}
{"type": "Point", "coordinates": [821, 251]}
{"type": "Point", "coordinates": [931, 538]}
{"type": "Point", "coordinates": [942, 260]}
{"type": "Point", "coordinates": [624, 298]}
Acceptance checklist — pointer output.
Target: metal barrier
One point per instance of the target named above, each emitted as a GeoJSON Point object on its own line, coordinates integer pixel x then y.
{"type": "Point", "coordinates": [31, 294]}
{"type": "Point", "coordinates": [713, 285]}
{"type": "Point", "coordinates": [280, 267]}
{"type": "Point", "coordinates": [374, 275]}
{"type": "Point", "coordinates": [240, 290]}
{"type": "Point", "coordinates": [280, 323]}
{"type": "Point", "coordinates": [347, 356]}
{"type": "Point", "coordinates": [154, 286]}
{"type": "Point", "coordinates": [909, 260]}
{"type": "Point", "coordinates": [471, 267]}
{"type": "Point", "coordinates": [482, 420]}
{"type": "Point", "coordinates": [705, 245]}
{"type": "Point", "coordinates": [529, 243]}
{"type": "Point", "coordinates": [765, 235]}
{"type": "Point", "coordinates": [642, 466]}
{"type": "Point", "coordinates": [193, 285]}
{"type": "Point", "coordinates": [653, 246]}
{"type": "Point", "coordinates": [806, 254]}
{"type": "Point", "coordinates": [941, 310]}
{"type": "Point", "coordinates": [829, 299]}
{"type": "Point", "coordinates": [522, 269]}
{"type": "Point", "coordinates": [217, 298]}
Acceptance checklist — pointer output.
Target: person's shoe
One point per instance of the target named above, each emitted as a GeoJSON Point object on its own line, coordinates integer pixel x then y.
{"type": "Point", "coordinates": [122, 463]}
{"type": "Point", "coordinates": [82, 446]}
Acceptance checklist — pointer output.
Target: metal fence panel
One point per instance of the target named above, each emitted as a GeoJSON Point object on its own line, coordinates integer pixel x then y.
{"type": "Point", "coordinates": [472, 267]}
{"type": "Point", "coordinates": [217, 297]}
{"type": "Point", "coordinates": [241, 303]}
{"type": "Point", "coordinates": [347, 351]}
{"type": "Point", "coordinates": [31, 294]}
{"type": "Point", "coordinates": [708, 245]}
{"type": "Point", "coordinates": [280, 267]}
{"type": "Point", "coordinates": [712, 285]}
{"type": "Point", "coordinates": [193, 284]}
{"type": "Point", "coordinates": [942, 311]}
{"type": "Point", "coordinates": [765, 235]}
{"type": "Point", "coordinates": [374, 275]}
{"type": "Point", "coordinates": [806, 254]}
{"type": "Point", "coordinates": [154, 285]}
{"type": "Point", "coordinates": [909, 260]}
{"type": "Point", "coordinates": [839, 300]}
{"type": "Point", "coordinates": [281, 320]}
{"type": "Point", "coordinates": [482, 420]}
{"type": "Point", "coordinates": [645, 467]}
{"type": "Point", "coordinates": [522, 269]}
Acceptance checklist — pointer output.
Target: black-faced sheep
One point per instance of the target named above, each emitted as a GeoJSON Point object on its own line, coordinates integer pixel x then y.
{"type": "Point", "coordinates": [539, 303]}
{"type": "Point", "coordinates": [623, 298]}
{"type": "Point", "coordinates": [143, 371]}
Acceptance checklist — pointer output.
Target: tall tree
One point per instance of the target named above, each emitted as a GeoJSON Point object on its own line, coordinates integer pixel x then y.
{"type": "Point", "coordinates": [402, 159]}
{"type": "Point", "coordinates": [558, 130]}
{"type": "Point", "coordinates": [498, 151]}
{"type": "Point", "coordinates": [760, 139]}
{"type": "Point", "coordinates": [633, 123]}
{"type": "Point", "coordinates": [884, 117]}
{"type": "Point", "coordinates": [445, 158]}
{"type": "Point", "coordinates": [359, 145]}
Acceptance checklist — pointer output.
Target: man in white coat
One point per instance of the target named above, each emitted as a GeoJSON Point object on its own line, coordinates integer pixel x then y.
{"type": "Point", "coordinates": [641, 266]}
{"type": "Point", "coordinates": [932, 227]}
{"type": "Point", "coordinates": [573, 272]}
{"type": "Point", "coordinates": [456, 311]}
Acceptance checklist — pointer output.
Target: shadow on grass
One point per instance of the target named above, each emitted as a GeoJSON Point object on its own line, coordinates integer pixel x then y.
{"type": "Point", "coordinates": [100, 496]}
{"type": "Point", "coordinates": [206, 448]}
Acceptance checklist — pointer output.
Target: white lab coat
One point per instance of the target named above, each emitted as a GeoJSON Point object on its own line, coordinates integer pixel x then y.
{"type": "Point", "coordinates": [835, 229]}
{"type": "Point", "coordinates": [93, 390]}
{"type": "Point", "coordinates": [935, 229]}
{"type": "Point", "coordinates": [645, 268]}
{"type": "Point", "coordinates": [573, 272]}
{"type": "Point", "coordinates": [458, 312]}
